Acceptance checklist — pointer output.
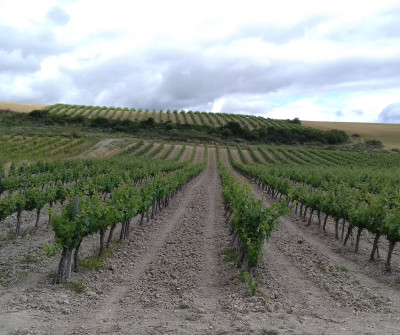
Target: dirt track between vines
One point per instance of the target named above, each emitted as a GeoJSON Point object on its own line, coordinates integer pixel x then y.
{"type": "Point", "coordinates": [170, 278]}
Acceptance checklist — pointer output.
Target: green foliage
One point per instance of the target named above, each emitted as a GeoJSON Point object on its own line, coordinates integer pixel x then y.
{"type": "Point", "coordinates": [245, 277]}
{"type": "Point", "coordinates": [76, 286]}
{"type": "Point", "coordinates": [367, 198]}
{"type": "Point", "coordinates": [51, 250]}
{"type": "Point", "coordinates": [251, 221]}
{"type": "Point", "coordinates": [321, 268]}
{"type": "Point", "coordinates": [229, 256]}
{"type": "Point", "coordinates": [29, 259]}
{"type": "Point", "coordinates": [342, 269]}
{"type": "Point", "coordinates": [126, 202]}
{"type": "Point", "coordinates": [391, 224]}
{"type": "Point", "coordinates": [93, 262]}
{"type": "Point", "coordinates": [336, 136]}
{"type": "Point", "coordinates": [376, 144]}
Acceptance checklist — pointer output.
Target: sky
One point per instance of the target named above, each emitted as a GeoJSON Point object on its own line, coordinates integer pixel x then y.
{"type": "Point", "coordinates": [314, 60]}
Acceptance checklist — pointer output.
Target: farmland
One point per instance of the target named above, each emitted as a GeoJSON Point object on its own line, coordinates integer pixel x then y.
{"type": "Point", "coordinates": [388, 134]}
{"type": "Point", "coordinates": [229, 237]}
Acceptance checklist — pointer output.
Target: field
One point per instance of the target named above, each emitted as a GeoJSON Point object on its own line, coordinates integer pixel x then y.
{"type": "Point", "coordinates": [388, 134]}
{"type": "Point", "coordinates": [196, 238]}
{"type": "Point", "coordinates": [20, 107]}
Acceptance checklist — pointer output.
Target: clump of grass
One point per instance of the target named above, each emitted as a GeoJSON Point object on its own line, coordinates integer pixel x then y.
{"type": "Point", "coordinates": [342, 269]}
{"type": "Point", "coordinates": [183, 306]}
{"type": "Point", "coordinates": [321, 268]}
{"type": "Point", "coordinates": [229, 256]}
{"type": "Point", "coordinates": [98, 262]}
{"type": "Point", "coordinates": [245, 277]}
{"type": "Point", "coordinates": [92, 262]}
{"type": "Point", "coordinates": [51, 250]}
{"type": "Point", "coordinates": [5, 276]}
{"type": "Point", "coordinates": [270, 332]}
{"type": "Point", "coordinates": [76, 286]}
{"type": "Point", "coordinates": [10, 238]}
{"type": "Point", "coordinates": [29, 259]}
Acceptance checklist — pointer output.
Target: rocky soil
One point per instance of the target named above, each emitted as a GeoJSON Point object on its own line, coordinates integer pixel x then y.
{"type": "Point", "coordinates": [172, 277]}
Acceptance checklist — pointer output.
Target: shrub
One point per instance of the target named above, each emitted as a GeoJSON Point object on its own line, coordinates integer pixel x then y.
{"type": "Point", "coordinates": [374, 144]}
{"type": "Point", "coordinates": [39, 114]}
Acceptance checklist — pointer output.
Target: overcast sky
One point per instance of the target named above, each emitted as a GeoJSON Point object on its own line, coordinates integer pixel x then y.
{"type": "Point", "coordinates": [315, 60]}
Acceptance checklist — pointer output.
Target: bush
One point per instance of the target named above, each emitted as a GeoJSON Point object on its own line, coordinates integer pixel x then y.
{"type": "Point", "coordinates": [100, 122]}
{"type": "Point", "coordinates": [296, 120]}
{"type": "Point", "coordinates": [374, 144]}
{"type": "Point", "coordinates": [226, 132]}
{"type": "Point", "coordinates": [39, 114]}
{"type": "Point", "coordinates": [149, 123]}
{"type": "Point", "coordinates": [335, 136]}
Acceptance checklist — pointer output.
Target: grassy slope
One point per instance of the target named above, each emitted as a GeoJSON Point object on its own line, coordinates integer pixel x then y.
{"type": "Point", "coordinates": [388, 134]}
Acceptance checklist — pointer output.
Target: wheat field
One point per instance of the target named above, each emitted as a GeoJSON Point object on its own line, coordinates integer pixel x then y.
{"type": "Point", "coordinates": [388, 134]}
{"type": "Point", "coordinates": [20, 107]}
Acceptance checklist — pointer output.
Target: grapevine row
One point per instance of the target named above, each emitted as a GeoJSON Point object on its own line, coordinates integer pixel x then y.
{"type": "Point", "coordinates": [252, 223]}
{"type": "Point", "coordinates": [89, 215]}
{"type": "Point", "coordinates": [366, 211]}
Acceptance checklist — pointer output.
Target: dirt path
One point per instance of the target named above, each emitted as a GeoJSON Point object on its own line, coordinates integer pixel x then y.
{"type": "Point", "coordinates": [166, 147]}
{"type": "Point", "coordinates": [186, 154]}
{"type": "Point", "coordinates": [246, 154]}
{"type": "Point", "coordinates": [199, 154]}
{"type": "Point", "coordinates": [236, 155]}
{"type": "Point", "coordinates": [175, 151]}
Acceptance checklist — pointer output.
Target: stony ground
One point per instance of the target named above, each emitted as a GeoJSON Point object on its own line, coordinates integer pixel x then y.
{"type": "Point", "coordinates": [171, 277]}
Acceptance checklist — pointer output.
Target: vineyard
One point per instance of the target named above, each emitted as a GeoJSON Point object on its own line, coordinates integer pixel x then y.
{"type": "Point", "coordinates": [175, 116]}
{"type": "Point", "coordinates": [24, 147]}
{"type": "Point", "coordinates": [170, 125]}
{"type": "Point", "coordinates": [123, 235]}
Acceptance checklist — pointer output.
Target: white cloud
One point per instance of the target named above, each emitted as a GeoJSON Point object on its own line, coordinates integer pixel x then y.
{"type": "Point", "coordinates": [58, 16]}
{"type": "Point", "coordinates": [285, 59]}
{"type": "Point", "coordinates": [391, 113]}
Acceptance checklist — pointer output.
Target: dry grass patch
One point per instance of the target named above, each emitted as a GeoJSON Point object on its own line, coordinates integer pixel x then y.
{"type": "Point", "coordinates": [20, 107]}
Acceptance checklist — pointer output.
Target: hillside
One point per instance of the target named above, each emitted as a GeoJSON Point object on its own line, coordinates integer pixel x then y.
{"type": "Point", "coordinates": [388, 134]}
{"type": "Point", "coordinates": [170, 125]}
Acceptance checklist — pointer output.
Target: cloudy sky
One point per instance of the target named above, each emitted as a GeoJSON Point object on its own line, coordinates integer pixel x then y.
{"type": "Point", "coordinates": [316, 60]}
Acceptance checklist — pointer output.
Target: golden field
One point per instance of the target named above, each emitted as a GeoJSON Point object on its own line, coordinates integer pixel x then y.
{"type": "Point", "coordinates": [387, 133]}
{"type": "Point", "coordinates": [19, 107]}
